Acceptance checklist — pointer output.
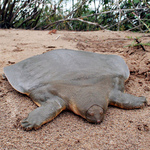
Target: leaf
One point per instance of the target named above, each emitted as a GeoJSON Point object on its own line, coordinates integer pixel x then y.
{"type": "Point", "coordinates": [136, 1]}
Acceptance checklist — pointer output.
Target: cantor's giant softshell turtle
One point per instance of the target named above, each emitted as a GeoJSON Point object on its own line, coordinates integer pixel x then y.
{"type": "Point", "coordinates": [83, 82]}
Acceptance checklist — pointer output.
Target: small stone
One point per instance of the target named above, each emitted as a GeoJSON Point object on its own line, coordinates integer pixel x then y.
{"type": "Point", "coordinates": [3, 77]}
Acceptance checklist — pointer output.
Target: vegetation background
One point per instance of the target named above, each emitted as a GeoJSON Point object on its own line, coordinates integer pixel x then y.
{"type": "Point", "coordinates": [79, 15]}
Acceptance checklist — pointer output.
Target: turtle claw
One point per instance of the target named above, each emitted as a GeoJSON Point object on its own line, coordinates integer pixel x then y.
{"type": "Point", "coordinates": [32, 121]}
{"type": "Point", "coordinates": [29, 125]}
{"type": "Point", "coordinates": [141, 102]}
{"type": "Point", "coordinates": [26, 124]}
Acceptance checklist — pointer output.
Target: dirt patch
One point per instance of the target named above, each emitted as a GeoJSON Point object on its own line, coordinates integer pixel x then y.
{"type": "Point", "coordinates": [121, 129]}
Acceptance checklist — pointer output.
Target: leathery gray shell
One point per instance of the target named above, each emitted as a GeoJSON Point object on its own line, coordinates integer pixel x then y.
{"type": "Point", "coordinates": [64, 67]}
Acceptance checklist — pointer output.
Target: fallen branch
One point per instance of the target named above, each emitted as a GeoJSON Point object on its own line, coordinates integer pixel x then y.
{"type": "Point", "coordinates": [74, 19]}
{"type": "Point", "coordinates": [88, 22]}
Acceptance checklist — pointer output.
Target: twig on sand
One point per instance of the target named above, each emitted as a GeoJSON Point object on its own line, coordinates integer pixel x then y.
{"type": "Point", "coordinates": [57, 37]}
{"type": "Point", "coordinates": [140, 44]}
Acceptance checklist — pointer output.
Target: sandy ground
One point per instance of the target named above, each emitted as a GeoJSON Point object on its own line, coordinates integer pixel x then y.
{"type": "Point", "coordinates": [121, 129]}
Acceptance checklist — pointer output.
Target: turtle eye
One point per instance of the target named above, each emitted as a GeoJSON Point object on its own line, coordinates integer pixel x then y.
{"type": "Point", "coordinates": [101, 112]}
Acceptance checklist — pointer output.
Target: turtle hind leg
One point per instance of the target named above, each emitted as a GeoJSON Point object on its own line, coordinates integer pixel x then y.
{"type": "Point", "coordinates": [43, 114]}
{"type": "Point", "coordinates": [126, 101]}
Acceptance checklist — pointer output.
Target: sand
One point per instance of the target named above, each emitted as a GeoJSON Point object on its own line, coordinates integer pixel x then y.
{"type": "Point", "coordinates": [120, 129]}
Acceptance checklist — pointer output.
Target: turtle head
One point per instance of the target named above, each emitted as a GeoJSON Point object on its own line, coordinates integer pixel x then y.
{"type": "Point", "coordinates": [95, 114]}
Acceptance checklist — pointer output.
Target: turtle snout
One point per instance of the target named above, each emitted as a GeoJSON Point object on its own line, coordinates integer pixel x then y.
{"type": "Point", "coordinates": [95, 114]}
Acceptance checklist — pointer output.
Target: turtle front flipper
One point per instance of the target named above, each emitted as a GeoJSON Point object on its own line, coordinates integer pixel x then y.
{"type": "Point", "coordinates": [126, 101]}
{"type": "Point", "coordinates": [43, 114]}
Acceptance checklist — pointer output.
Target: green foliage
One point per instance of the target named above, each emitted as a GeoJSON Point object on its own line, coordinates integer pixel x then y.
{"type": "Point", "coordinates": [45, 14]}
